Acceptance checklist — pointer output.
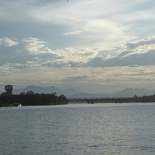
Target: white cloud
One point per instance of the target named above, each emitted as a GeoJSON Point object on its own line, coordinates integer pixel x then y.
{"type": "Point", "coordinates": [8, 42]}
{"type": "Point", "coordinates": [36, 46]}
{"type": "Point", "coordinates": [138, 53]}
{"type": "Point", "coordinates": [27, 50]}
{"type": "Point", "coordinates": [72, 33]}
{"type": "Point", "coordinates": [98, 43]}
{"type": "Point", "coordinates": [94, 20]}
{"type": "Point", "coordinates": [33, 52]}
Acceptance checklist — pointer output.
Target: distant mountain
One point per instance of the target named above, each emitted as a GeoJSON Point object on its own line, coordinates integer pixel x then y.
{"type": "Point", "coordinates": [72, 93]}
{"type": "Point", "coordinates": [46, 90]}
{"type": "Point", "coordinates": [88, 95]}
{"type": "Point", "coordinates": [130, 92]}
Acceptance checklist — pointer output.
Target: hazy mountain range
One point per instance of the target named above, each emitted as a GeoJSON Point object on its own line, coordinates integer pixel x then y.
{"type": "Point", "coordinates": [72, 93]}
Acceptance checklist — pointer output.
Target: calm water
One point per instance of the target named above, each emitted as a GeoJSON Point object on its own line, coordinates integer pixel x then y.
{"type": "Point", "coordinates": [99, 129]}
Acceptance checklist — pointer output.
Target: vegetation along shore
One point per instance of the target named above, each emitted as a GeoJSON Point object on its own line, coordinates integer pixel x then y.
{"type": "Point", "coordinates": [32, 99]}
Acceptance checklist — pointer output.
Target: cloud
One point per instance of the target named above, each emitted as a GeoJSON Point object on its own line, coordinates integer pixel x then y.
{"type": "Point", "coordinates": [8, 42]}
{"type": "Point", "coordinates": [98, 41]}
{"type": "Point", "coordinates": [77, 77]}
{"type": "Point", "coordinates": [34, 53]}
{"type": "Point", "coordinates": [139, 53]}
{"type": "Point", "coordinates": [23, 52]}
{"type": "Point", "coordinates": [146, 41]}
{"type": "Point", "coordinates": [143, 59]}
{"type": "Point", "coordinates": [95, 20]}
{"type": "Point", "coordinates": [72, 33]}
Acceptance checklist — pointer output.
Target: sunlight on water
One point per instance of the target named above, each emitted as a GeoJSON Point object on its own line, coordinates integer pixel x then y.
{"type": "Point", "coordinates": [78, 129]}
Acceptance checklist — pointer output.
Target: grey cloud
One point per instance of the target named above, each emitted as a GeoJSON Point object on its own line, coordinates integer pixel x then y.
{"type": "Point", "coordinates": [136, 74]}
{"type": "Point", "coordinates": [140, 59]}
{"type": "Point", "coordinates": [33, 52]}
{"type": "Point", "coordinates": [145, 41]}
{"type": "Point", "coordinates": [138, 53]}
{"type": "Point", "coordinates": [77, 77]}
{"type": "Point", "coordinates": [124, 53]}
{"type": "Point", "coordinates": [24, 52]}
{"type": "Point", "coordinates": [60, 64]}
{"type": "Point", "coordinates": [146, 5]}
{"type": "Point", "coordinates": [53, 64]}
{"type": "Point", "coordinates": [13, 54]}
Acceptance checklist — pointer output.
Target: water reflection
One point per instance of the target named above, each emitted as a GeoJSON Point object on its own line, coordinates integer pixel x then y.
{"type": "Point", "coordinates": [78, 129]}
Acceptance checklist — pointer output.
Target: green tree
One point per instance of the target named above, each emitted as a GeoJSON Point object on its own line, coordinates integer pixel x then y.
{"type": "Point", "coordinates": [30, 92]}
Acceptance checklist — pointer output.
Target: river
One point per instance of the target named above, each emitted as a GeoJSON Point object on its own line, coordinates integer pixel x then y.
{"type": "Point", "coordinates": [78, 129]}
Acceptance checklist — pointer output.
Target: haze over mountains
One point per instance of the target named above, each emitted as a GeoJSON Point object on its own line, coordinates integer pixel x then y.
{"type": "Point", "coordinates": [72, 93]}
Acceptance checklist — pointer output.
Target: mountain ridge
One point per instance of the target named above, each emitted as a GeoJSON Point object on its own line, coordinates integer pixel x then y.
{"type": "Point", "coordinates": [51, 89]}
{"type": "Point", "coordinates": [72, 93]}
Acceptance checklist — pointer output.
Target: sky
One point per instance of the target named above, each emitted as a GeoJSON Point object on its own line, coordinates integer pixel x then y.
{"type": "Point", "coordinates": [92, 46]}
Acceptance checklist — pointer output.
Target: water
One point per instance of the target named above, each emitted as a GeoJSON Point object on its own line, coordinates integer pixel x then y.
{"type": "Point", "coordinates": [99, 129]}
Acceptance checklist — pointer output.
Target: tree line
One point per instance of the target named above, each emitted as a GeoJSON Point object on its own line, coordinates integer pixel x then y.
{"type": "Point", "coordinates": [133, 99]}
{"type": "Point", "coordinates": [32, 99]}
